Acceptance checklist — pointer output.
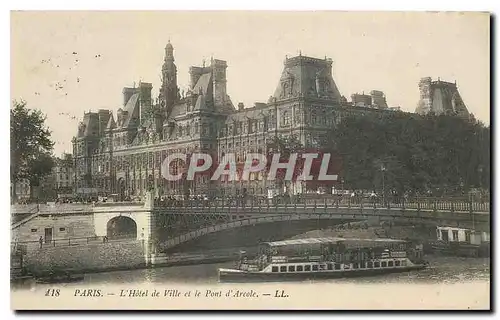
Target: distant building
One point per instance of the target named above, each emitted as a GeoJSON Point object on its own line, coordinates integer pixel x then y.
{"type": "Point", "coordinates": [60, 181]}
{"type": "Point", "coordinates": [440, 97]}
{"type": "Point", "coordinates": [63, 175]}
{"type": "Point", "coordinates": [453, 234]}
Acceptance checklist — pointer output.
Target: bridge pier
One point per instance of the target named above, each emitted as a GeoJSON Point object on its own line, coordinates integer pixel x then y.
{"type": "Point", "coordinates": [140, 213]}
{"type": "Point", "coordinates": [149, 241]}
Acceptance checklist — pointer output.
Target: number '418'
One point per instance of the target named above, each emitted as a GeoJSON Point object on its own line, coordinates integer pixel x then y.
{"type": "Point", "coordinates": [52, 293]}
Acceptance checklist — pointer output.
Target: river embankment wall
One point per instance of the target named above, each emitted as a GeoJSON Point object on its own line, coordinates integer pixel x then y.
{"type": "Point", "coordinates": [87, 258]}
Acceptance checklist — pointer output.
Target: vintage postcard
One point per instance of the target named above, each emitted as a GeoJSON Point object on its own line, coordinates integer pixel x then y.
{"type": "Point", "coordinates": [251, 160]}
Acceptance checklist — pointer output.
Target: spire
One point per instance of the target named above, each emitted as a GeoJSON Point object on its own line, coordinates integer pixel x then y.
{"type": "Point", "coordinates": [168, 92]}
{"type": "Point", "coordinates": [169, 52]}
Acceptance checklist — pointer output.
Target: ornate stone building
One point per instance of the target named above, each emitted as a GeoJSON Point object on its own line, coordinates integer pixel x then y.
{"type": "Point", "coordinates": [440, 97]}
{"type": "Point", "coordinates": [124, 155]}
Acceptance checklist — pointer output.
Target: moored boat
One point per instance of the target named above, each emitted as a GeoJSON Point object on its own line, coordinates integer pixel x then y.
{"type": "Point", "coordinates": [326, 258]}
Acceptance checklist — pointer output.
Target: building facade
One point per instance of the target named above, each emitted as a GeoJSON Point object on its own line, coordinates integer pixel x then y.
{"type": "Point", "coordinates": [63, 175]}
{"type": "Point", "coordinates": [123, 155]}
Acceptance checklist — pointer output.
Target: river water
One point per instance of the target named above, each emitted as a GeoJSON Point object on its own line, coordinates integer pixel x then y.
{"type": "Point", "coordinates": [441, 270]}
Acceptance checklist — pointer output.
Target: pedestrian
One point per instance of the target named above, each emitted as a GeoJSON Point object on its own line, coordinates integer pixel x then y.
{"type": "Point", "coordinates": [40, 241]}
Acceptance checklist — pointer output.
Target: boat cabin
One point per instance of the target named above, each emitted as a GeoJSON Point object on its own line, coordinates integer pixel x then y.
{"type": "Point", "coordinates": [337, 253]}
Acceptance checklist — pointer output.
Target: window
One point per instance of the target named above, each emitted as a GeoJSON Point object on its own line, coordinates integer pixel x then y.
{"type": "Point", "coordinates": [376, 264]}
{"type": "Point", "coordinates": [33, 230]}
{"type": "Point", "coordinates": [355, 265]}
{"type": "Point", "coordinates": [444, 235]}
{"type": "Point", "coordinates": [315, 267]}
{"type": "Point", "coordinates": [307, 268]}
{"type": "Point", "coordinates": [390, 263]}
{"type": "Point", "coordinates": [455, 235]}
{"type": "Point", "coordinates": [300, 268]}
{"type": "Point", "coordinates": [337, 266]}
{"type": "Point", "coordinates": [384, 264]}
{"type": "Point", "coordinates": [467, 236]}
{"type": "Point", "coordinates": [291, 269]}
{"type": "Point", "coordinates": [330, 266]}
{"type": "Point", "coordinates": [283, 269]}
{"type": "Point", "coordinates": [314, 118]}
{"type": "Point", "coordinates": [275, 269]}
{"type": "Point", "coordinates": [398, 263]}
{"type": "Point", "coordinates": [62, 229]}
{"type": "Point", "coordinates": [285, 119]}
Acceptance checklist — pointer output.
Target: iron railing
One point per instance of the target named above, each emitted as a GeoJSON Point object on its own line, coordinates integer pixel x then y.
{"type": "Point", "coordinates": [427, 204]}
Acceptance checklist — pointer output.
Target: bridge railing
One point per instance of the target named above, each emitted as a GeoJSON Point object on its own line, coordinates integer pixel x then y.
{"type": "Point", "coordinates": [429, 204]}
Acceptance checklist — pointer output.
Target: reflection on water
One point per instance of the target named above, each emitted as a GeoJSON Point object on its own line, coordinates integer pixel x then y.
{"type": "Point", "coordinates": [442, 270]}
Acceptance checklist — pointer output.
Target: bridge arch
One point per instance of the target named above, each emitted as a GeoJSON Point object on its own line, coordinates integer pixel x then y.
{"type": "Point", "coordinates": [111, 222]}
{"type": "Point", "coordinates": [121, 227]}
{"type": "Point", "coordinates": [250, 222]}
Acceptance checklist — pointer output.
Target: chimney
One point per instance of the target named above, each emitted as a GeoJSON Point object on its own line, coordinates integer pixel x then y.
{"type": "Point", "coordinates": [145, 91]}
{"type": "Point", "coordinates": [241, 106]}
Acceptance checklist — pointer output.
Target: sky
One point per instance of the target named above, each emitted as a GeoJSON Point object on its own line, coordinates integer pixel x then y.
{"type": "Point", "coordinates": [67, 63]}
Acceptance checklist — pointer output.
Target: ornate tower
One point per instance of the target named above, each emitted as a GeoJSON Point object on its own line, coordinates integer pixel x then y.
{"type": "Point", "coordinates": [169, 92]}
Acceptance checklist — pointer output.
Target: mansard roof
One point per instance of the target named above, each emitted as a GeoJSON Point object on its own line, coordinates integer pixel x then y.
{"type": "Point", "coordinates": [111, 123]}
{"type": "Point", "coordinates": [203, 83]}
{"type": "Point", "coordinates": [304, 76]}
{"type": "Point", "coordinates": [132, 109]}
{"type": "Point", "coordinates": [440, 97]}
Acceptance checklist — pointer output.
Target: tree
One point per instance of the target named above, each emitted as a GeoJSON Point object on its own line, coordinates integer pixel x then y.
{"type": "Point", "coordinates": [420, 154]}
{"type": "Point", "coordinates": [30, 145]}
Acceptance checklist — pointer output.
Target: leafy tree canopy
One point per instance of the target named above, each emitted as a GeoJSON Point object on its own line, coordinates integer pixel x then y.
{"type": "Point", "coordinates": [412, 153]}
{"type": "Point", "coordinates": [30, 144]}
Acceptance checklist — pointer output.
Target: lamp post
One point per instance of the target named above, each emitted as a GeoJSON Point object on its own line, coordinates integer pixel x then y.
{"type": "Point", "coordinates": [383, 169]}
{"type": "Point", "coordinates": [480, 171]}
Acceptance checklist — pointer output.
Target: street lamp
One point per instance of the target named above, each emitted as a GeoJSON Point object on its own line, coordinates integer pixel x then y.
{"type": "Point", "coordinates": [383, 169]}
{"type": "Point", "coordinates": [480, 171]}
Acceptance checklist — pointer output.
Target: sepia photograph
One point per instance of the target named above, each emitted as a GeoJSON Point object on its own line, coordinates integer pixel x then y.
{"type": "Point", "coordinates": [250, 160]}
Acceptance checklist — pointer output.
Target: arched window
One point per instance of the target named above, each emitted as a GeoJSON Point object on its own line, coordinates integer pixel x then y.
{"type": "Point", "coordinates": [314, 117]}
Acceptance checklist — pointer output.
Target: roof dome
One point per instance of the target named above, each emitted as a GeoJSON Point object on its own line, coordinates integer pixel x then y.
{"type": "Point", "coordinates": [169, 46]}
